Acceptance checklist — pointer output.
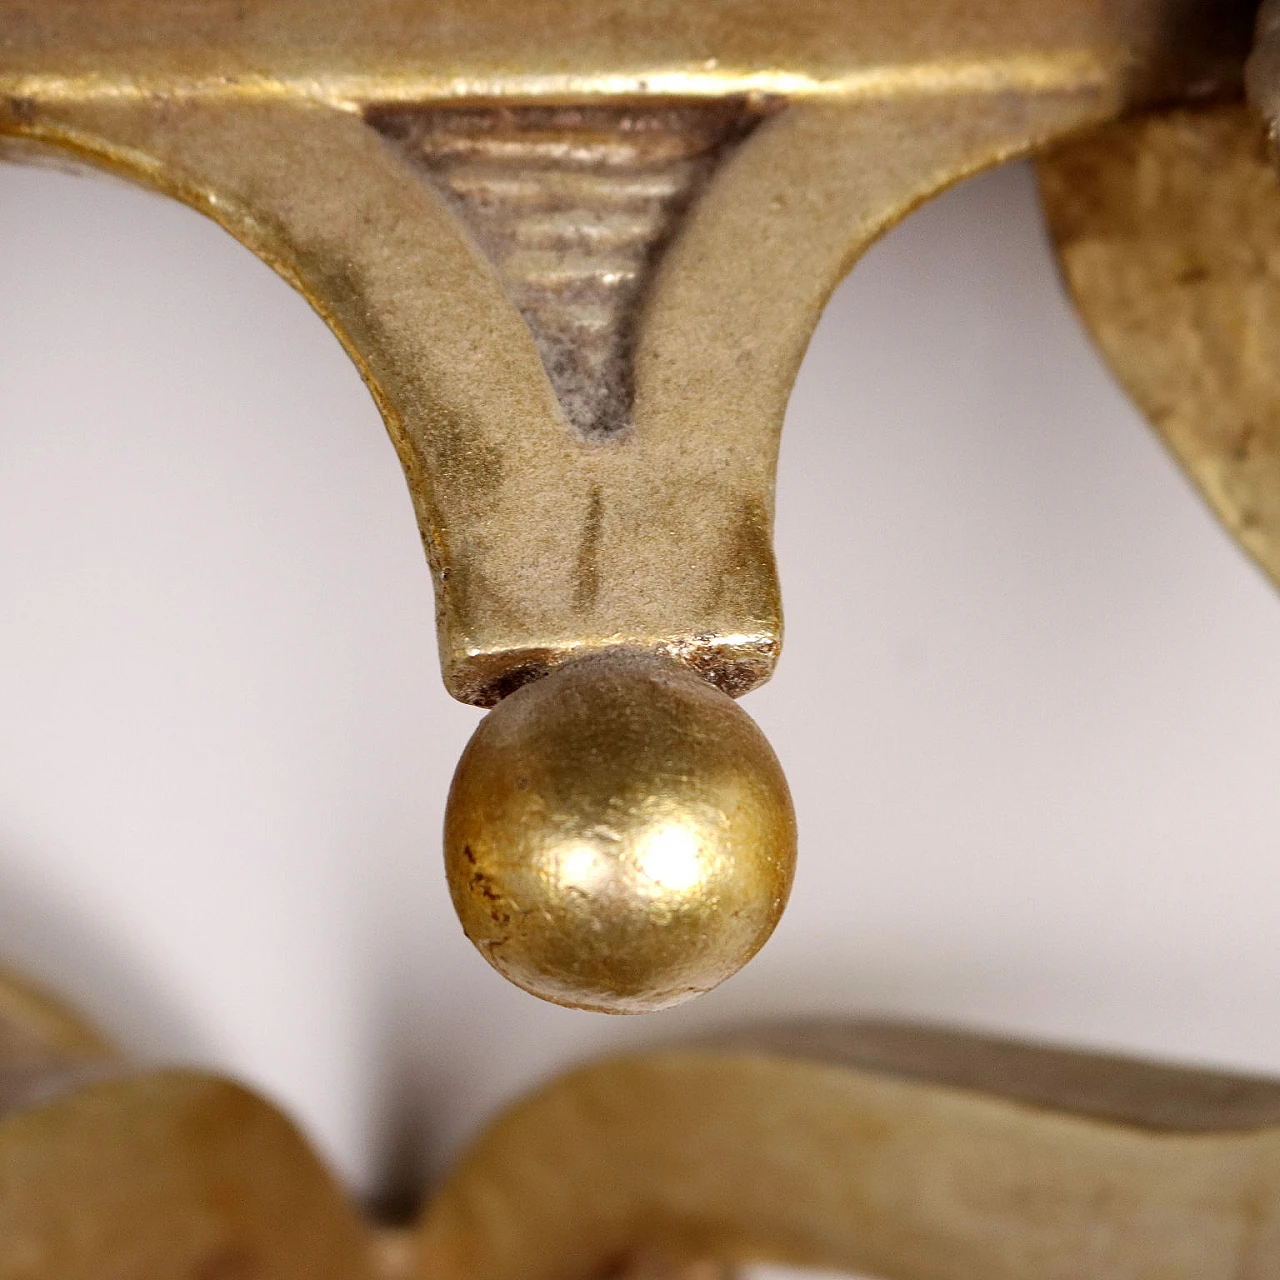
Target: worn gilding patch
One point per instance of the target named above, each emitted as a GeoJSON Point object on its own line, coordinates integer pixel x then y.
{"type": "Point", "coordinates": [574, 206]}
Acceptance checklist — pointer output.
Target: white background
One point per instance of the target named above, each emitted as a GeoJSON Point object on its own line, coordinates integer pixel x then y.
{"type": "Point", "coordinates": [1029, 704]}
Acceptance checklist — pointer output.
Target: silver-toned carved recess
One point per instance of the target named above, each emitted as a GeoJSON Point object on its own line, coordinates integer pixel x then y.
{"type": "Point", "coordinates": [574, 206]}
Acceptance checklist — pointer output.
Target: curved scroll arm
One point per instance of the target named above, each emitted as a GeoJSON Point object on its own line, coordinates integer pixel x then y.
{"type": "Point", "coordinates": [904, 1152]}
{"type": "Point", "coordinates": [899, 1152]}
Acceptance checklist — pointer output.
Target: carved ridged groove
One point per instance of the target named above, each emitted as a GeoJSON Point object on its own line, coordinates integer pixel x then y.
{"type": "Point", "coordinates": [574, 206]}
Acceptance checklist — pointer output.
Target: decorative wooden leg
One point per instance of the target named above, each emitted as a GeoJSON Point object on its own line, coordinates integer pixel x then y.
{"type": "Point", "coordinates": [577, 251]}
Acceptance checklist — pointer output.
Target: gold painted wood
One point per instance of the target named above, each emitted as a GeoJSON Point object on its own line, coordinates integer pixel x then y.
{"type": "Point", "coordinates": [577, 253]}
{"type": "Point", "coordinates": [38, 1031]}
{"type": "Point", "coordinates": [545, 545]}
{"type": "Point", "coordinates": [545, 541]}
{"type": "Point", "coordinates": [905, 1152]}
{"type": "Point", "coordinates": [168, 1174]}
{"type": "Point", "coordinates": [332, 52]}
{"type": "Point", "coordinates": [899, 1152]}
{"type": "Point", "coordinates": [1167, 229]}
{"type": "Point", "coordinates": [107, 1170]}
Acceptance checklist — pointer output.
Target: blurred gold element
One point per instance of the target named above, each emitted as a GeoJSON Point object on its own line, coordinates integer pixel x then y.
{"type": "Point", "coordinates": [1168, 232]}
{"type": "Point", "coordinates": [395, 1253]}
{"type": "Point", "coordinates": [619, 835]}
{"type": "Point", "coordinates": [38, 1031]}
{"type": "Point", "coordinates": [110, 1170]}
{"type": "Point", "coordinates": [577, 250]}
{"type": "Point", "coordinates": [902, 1152]}
{"type": "Point", "coordinates": [906, 1152]}
{"type": "Point", "coordinates": [1262, 73]}
{"type": "Point", "coordinates": [664, 1265]}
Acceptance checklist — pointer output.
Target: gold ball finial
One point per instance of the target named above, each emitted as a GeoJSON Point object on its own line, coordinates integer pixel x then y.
{"type": "Point", "coordinates": [619, 835]}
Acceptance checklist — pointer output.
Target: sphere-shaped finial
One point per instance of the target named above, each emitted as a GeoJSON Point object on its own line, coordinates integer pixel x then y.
{"type": "Point", "coordinates": [619, 835]}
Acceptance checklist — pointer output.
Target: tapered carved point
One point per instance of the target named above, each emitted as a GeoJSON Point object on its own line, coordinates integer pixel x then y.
{"type": "Point", "coordinates": [574, 205]}
{"type": "Point", "coordinates": [619, 836]}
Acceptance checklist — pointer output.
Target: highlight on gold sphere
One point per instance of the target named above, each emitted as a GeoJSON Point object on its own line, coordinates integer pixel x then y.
{"type": "Point", "coordinates": [619, 835]}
